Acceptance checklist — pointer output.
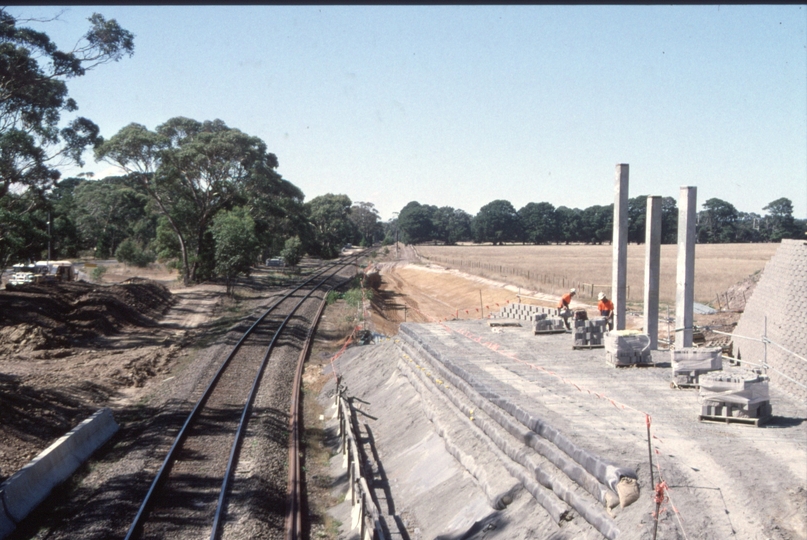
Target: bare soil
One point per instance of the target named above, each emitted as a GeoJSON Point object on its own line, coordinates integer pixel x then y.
{"type": "Point", "coordinates": [415, 291]}
{"type": "Point", "coordinates": [553, 269]}
{"type": "Point", "coordinates": [68, 349]}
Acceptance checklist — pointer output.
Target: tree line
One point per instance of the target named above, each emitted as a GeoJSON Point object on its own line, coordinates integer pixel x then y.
{"type": "Point", "coordinates": [207, 198]}
{"type": "Point", "coordinates": [200, 195]}
{"type": "Point", "coordinates": [498, 222]}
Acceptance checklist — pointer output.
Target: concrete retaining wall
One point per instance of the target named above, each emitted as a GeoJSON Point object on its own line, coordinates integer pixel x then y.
{"type": "Point", "coordinates": [781, 295]}
{"type": "Point", "coordinates": [29, 486]}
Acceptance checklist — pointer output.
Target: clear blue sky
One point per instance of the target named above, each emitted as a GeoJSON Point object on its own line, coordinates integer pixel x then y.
{"type": "Point", "coordinates": [462, 105]}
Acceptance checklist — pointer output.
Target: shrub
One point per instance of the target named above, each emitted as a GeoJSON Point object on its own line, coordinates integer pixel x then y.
{"type": "Point", "coordinates": [130, 252]}
{"type": "Point", "coordinates": [98, 273]}
{"type": "Point", "coordinates": [293, 251]}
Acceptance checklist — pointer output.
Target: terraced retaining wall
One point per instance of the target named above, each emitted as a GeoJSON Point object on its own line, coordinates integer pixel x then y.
{"type": "Point", "coordinates": [781, 295]}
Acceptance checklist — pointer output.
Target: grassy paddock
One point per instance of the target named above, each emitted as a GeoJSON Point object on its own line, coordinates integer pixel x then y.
{"type": "Point", "coordinates": [553, 269]}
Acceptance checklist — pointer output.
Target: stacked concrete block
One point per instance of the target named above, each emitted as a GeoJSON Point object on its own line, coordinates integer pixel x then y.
{"type": "Point", "coordinates": [690, 363]}
{"type": "Point", "coordinates": [589, 333]}
{"type": "Point", "coordinates": [548, 325]}
{"type": "Point", "coordinates": [626, 348]}
{"type": "Point", "coordinates": [742, 395]}
{"type": "Point", "coordinates": [781, 297]}
{"type": "Point", "coordinates": [525, 312]}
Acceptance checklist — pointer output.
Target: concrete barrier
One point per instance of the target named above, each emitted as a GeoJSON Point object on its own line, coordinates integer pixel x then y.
{"type": "Point", "coordinates": [29, 486]}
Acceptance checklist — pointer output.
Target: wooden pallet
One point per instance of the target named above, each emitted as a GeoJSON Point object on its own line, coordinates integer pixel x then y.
{"type": "Point", "coordinates": [503, 323]}
{"type": "Point", "coordinates": [542, 332]}
{"type": "Point", "coordinates": [734, 419]}
{"type": "Point", "coordinates": [588, 346]}
{"type": "Point", "coordinates": [642, 365]}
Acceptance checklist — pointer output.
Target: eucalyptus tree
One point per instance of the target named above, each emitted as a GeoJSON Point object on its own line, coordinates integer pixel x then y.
{"type": "Point", "coordinates": [497, 222]}
{"type": "Point", "coordinates": [539, 222]}
{"type": "Point", "coordinates": [596, 224]}
{"type": "Point", "coordinates": [570, 224]}
{"type": "Point", "coordinates": [236, 244]}
{"type": "Point", "coordinates": [330, 217]}
{"type": "Point", "coordinates": [278, 210]}
{"type": "Point", "coordinates": [669, 220]}
{"type": "Point", "coordinates": [191, 170]}
{"type": "Point", "coordinates": [780, 221]}
{"type": "Point", "coordinates": [66, 240]}
{"type": "Point", "coordinates": [452, 225]}
{"type": "Point", "coordinates": [717, 222]}
{"type": "Point", "coordinates": [34, 139]}
{"type": "Point", "coordinates": [107, 212]}
{"type": "Point", "coordinates": [365, 216]}
{"type": "Point", "coordinates": [416, 223]}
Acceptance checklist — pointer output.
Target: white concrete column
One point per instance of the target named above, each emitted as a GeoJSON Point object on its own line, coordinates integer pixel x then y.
{"type": "Point", "coordinates": [685, 275]}
{"type": "Point", "coordinates": [619, 272]}
{"type": "Point", "coordinates": [652, 268]}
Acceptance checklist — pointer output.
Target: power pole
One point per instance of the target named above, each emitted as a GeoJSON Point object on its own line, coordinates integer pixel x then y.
{"type": "Point", "coordinates": [48, 240]}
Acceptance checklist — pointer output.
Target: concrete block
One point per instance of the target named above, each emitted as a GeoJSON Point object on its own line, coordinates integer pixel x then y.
{"type": "Point", "coordinates": [614, 359]}
{"type": "Point", "coordinates": [625, 342]}
{"type": "Point", "coordinates": [746, 388]}
{"type": "Point", "coordinates": [702, 359]}
{"type": "Point", "coordinates": [29, 486]}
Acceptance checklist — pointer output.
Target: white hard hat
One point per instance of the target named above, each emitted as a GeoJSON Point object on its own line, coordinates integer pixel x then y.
{"type": "Point", "coordinates": [574, 291]}
{"type": "Point", "coordinates": [600, 296]}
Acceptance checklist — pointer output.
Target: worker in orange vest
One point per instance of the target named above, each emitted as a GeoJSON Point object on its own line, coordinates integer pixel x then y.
{"type": "Point", "coordinates": [563, 307]}
{"type": "Point", "coordinates": [606, 308]}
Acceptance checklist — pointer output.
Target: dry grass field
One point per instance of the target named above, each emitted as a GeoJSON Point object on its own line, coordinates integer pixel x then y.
{"type": "Point", "coordinates": [553, 269]}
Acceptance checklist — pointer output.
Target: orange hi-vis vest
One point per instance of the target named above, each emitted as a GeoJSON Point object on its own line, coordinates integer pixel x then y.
{"type": "Point", "coordinates": [565, 300]}
{"type": "Point", "coordinates": [605, 305]}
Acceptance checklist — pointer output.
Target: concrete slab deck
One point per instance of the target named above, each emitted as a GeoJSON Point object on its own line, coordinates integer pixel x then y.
{"type": "Point", "coordinates": [715, 469]}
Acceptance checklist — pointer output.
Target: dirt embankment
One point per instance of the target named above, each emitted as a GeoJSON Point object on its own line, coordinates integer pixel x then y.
{"type": "Point", "coordinates": [67, 349]}
{"type": "Point", "coordinates": [56, 315]}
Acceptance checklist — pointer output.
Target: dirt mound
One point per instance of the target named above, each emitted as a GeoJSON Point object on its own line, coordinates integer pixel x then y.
{"type": "Point", "coordinates": [56, 315]}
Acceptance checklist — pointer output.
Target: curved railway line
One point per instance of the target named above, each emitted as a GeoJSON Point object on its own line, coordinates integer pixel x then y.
{"type": "Point", "coordinates": [227, 467]}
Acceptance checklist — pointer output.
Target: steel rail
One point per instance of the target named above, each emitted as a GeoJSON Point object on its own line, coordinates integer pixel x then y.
{"type": "Point", "coordinates": [239, 435]}
{"type": "Point", "coordinates": [293, 526]}
{"type": "Point", "coordinates": [165, 468]}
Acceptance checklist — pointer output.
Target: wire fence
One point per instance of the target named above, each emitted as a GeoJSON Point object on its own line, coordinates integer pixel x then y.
{"type": "Point", "coordinates": [542, 281]}
{"type": "Point", "coordinates": [367, 517]}
{"type": "Point", "coordinates": [764, 364]}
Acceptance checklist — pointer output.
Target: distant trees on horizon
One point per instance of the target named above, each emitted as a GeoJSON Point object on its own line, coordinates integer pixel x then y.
{"type": "Point", "coordinates": [499, 222]}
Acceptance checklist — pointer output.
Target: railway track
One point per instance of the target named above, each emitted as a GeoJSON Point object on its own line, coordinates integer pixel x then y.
{"type": "Point", "coordinates": [233, 469]}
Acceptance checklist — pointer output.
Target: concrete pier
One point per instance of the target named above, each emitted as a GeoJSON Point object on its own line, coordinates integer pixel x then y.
{"type": "Point", "coordinates": [685, 275]}
{"type": "Point", "coordinates": [652, 266]}
{"type": "Point", "coordinates": [619, 273]}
